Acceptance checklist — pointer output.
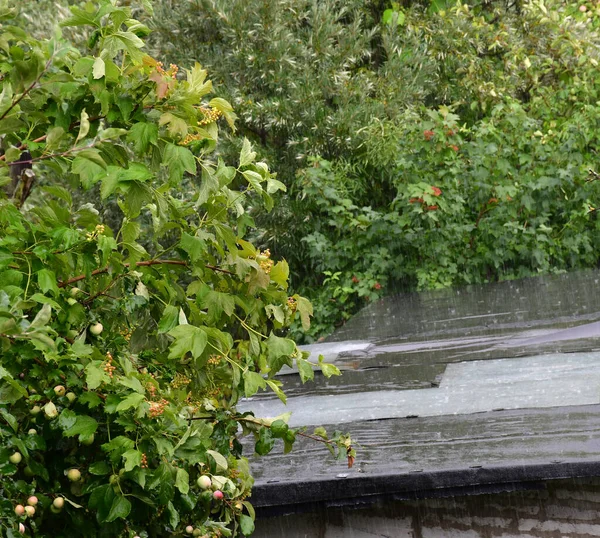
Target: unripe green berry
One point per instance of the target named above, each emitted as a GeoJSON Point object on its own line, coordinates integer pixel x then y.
{"type": "Point", "coordinates": [74, 475]}
{"type": "Point", "coordinates": [96, 329]}
{"type": "Point", "coordinates": [204, 482]}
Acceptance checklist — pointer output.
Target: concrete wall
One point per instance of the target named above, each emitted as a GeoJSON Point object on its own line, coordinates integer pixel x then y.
{"type": "Point", "coordinates": [557, 509]}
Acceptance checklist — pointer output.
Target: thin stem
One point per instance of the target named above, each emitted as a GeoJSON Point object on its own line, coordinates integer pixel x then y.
{"type": "Point", "coordinates": [105, 269]}
{"type": "Point", "coordinates": [26, 92]}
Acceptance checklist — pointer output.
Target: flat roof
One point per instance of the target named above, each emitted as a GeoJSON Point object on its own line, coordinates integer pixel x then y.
{"type": "Point", "coordinates": [486, 388]}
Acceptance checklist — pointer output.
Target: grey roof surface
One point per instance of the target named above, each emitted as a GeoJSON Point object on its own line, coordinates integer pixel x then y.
{"type": "Point", "coordinates": [481, 387]}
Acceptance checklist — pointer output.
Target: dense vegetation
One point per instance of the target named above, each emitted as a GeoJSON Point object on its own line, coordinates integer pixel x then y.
{"type": "Point", "coordinates": [415, 145]}
{"type": "Point", "coordinates": [133, 313]}
{"type": "Point", "coordinates": [422, 144]}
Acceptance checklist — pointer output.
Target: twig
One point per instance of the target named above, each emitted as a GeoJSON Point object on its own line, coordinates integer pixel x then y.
{"type": "Point", "coordinates": [105, 270]}
{"type": "Point", "coordinates": [26, 92]}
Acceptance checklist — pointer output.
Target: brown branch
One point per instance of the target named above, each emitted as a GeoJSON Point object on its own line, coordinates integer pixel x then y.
{"type": "Point", "coordinates": [218, 269]}
{"type": "Point", "coordinates": [42, 138]}
{"type": "Point", "coordinates": [105, 270]}
{"type": "Point", "coordinates": [50, 156]}
{"type": "Point", "coordinates": [91, 298]}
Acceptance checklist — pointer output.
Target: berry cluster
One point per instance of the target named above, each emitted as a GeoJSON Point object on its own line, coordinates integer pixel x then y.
{"type": "Point", "coordinates": [144, 462]}
{"type": "Point", "coordinates": [157, 408]}
{"type": "Point", "coordinates": [109, 367]}
{"type": "Point", "coordinates": [213, 360]}
{"type": "Point", "coordinates": [98, 230]}
{"type": "Point", "coordinates": [180, 381]}
{"type": "Point", "coordinates": [265, 261]}
{"type": "Point", "coordinates": [171, 72]}
{"type": "Point", "coordinates": [292, 304]}
{"type": "Point", "coordinates": [210, 115]}
{"type": "Point", "coordinates": [125, 333]}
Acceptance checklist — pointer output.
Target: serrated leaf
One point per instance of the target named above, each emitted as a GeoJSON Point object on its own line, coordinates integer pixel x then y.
{"type": "Point", "coordinates": [121, 507]}
{"type": "Point", "coordinates": [253, 382]}
{"type": "Point", "coordinates": [142, 135]}
{"type": "Point", "coordinates": [328, 369]}
{"type": "Point", "coordinates": [179, 160]}
{"type": "Point", "coordinates": [305, 310]}
{"type": "Point", "coordinates": [84, 426]}
{"type": "Point", "coordinates": [279, 351]}
{"type": "Point", "coordinates": [187, 339]}
{"type": "Point", "coordinates": [47, 281]}
{"type": "Point", "coordinates": [99, 468]}
{"type": "Point", "coordinates": [276, 388]}
{"type": "Point", "coordinates": [305, 370]}
{"type": "Point", "coordinates": [133, 458]}
{"type": "Point", "coordinates": [254, 179]}
{"type": "Point", "coordinates": [133, 400]}
{"type": "Point", "coordinates": [247, 156]}
{"type": "Point", "coordinates": [280, 273]}
{"type": "Point", "coordinates": [168, 319]}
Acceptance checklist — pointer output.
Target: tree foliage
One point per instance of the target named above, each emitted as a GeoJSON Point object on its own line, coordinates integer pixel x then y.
{"type": "Point", "coordinates": [368, 109]}
{"type": "Point", "coordinates": [133, 314]}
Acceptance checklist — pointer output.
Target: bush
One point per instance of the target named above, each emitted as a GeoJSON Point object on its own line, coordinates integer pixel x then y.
{"type": "Point", "coordinates": [126, 342]}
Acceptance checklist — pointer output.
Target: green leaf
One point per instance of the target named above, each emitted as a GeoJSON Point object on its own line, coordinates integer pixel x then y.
{"type": "Point", "coordinates": [276, 388]}
{"type": "Point", "coordinates": [121, 507]}
{"type": "Point", "coordinates": [10, 419]}
{"type": "Point", "coordinates": [179, 160]}
{"type": "Point", "coordinates": [142, 135]}
{"type": "Point", "coordinates": [84, 126]}
{"type": "Point", "coordinates": [328, 369]}
{"type": "Point", "coordinates": [99, 68]}
{"type": "Point", "coordinates": [217, 303]}
{"type": "Point", "coordinates": [47, 281]}
{"type": "Point", "coordinates": [95, 375]}
{"type": "Point", "coordinates": [99, 468]}
{"type": "Point", "coordinates": [84, 426]}
{"type": "Point", "coordinates": [67, 419]}
{"type": "Point", "coordinates": [42, 299]}
{"type": "Point", "coordinates": [253, 382]}
{"type": "Point", "coordinates": [265, 441]}
{"type": "Point", "coordinates": [89, 168]}
{"type": "Point", "coordinates": [254, 178]}
{"type": "Point", "coordinates": [168, 319]}
{"type": "Point", "coordinates": [246, 525]}
{"type": "Point", "coordinates": [133, 400]}
{"type": "Point", "coordinates": [173, 515]}
{"type": "Point", "coordinates": [247, 156]}
{"type": "Point", "coordinates": [101, 500]}
{"type": "Point", "coordinates": [133, 458]}
{"type": "Point", "coordinates": [305, 370]}
{"type": "Point", "coordinates": [42, 317]}
{"type": "Point", "coordinates": [117, 447]}
{"type": "Point", "coordinates": [91, 399]}
{"type": "Point", "coordinates": [182, 481]}
{"type": "Point", "coordinates": [219, 459]}
{"type": "Point", "coordinates": [177, 127]}
{"type": "Point", "coordinates": [305, 309]}
{"type": "Point", "coordinates": [194, 246]}
{"type": "Point", "coordinates": [187, 339]}
{"type": "Point", "coordinates": [279, 352]}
